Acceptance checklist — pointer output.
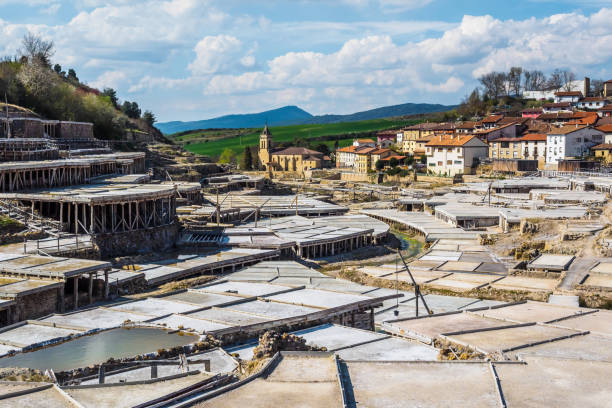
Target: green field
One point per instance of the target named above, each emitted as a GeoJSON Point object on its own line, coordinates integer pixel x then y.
{"type": "Point", "coordinates": [213, 142]}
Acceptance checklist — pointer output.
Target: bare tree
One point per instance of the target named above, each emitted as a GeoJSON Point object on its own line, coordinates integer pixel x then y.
{"type": "Point", "coordinates": [514, 80]}
{"type": "Point", "coordinates": [37, 50]}
{"type": "Point", "coordinates": [534, 80]}
{"type": "Point", "coordinates": [500, 80]}
{"type": "Point", "coordinates": [567, 77]}
{"type": "Point", "coordinates": [487, 82]}
{"type": "Point", "coordinates": [555, 81]}
{"type": "Point", "coordinates": [597, 87]}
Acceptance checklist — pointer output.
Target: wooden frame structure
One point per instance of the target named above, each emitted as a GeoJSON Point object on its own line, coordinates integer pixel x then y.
{"type": "Point", "coordinates": [30, 175]}
{"type": "Point", "coordinates": [19, 176]}
{"type": "Point", "coordinates": [104, 208]}
{"type": "Point", "coordinates": [27, 149]}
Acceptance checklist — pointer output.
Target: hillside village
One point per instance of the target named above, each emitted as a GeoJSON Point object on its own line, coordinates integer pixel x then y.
{"type": "Point", "coordinates": [570, 129]}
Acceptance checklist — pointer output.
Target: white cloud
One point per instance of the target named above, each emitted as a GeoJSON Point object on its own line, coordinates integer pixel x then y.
{"type": "Point", "coordinates": [215, 54]}
{"type": "Point", "coordinates": [110, 79]}
{"type": "Point", "coordinates": [52, 9]}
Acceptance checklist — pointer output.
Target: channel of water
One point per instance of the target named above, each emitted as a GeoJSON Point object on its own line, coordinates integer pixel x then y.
{"type": "Point", "coordinates": [98, 348]}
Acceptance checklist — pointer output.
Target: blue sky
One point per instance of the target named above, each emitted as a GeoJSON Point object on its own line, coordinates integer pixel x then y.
{"type": "Point", "coordinates": [195, 59]}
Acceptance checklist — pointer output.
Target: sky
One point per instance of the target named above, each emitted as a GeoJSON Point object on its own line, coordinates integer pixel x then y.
{"type": "Point", "coordinates": [197, 59]}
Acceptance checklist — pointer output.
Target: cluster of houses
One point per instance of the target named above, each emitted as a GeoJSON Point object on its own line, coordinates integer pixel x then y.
{"type": "Point", "coordinates": [363, 154]}
{"type": "Point", "coordinates": [545, 136]}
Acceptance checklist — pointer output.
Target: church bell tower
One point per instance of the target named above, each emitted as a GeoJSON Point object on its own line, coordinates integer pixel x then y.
{"type": "Point", "coordinates": [265, 144]}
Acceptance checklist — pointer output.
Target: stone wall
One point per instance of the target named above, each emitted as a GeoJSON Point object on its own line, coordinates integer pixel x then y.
{"type": "Point", "coordinates": [128, 243]}
{"type": "Point", "coordinates": [26, 128]}
{"type": "Point", "coordinates": [75, 130]}
{"type": "Point", "coordinates": [36, 305]}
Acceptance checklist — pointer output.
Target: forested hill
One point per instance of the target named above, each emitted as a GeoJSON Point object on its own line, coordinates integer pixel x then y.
{"type": "Point", "coordinates": [32, 81]}
{"type": "Point", "coordinates": [293, 115]}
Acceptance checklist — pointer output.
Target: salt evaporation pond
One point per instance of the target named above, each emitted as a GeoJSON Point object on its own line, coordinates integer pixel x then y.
{"type": "Point", "coordinates": [97, 348]}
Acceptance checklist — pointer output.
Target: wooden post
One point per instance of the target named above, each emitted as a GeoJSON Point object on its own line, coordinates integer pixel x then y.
{"type": "Point", "coordinates": [91, 211]}
{"type": "Point", "coordinates": [106, 284]}
{"type": "Point", "coordinates": [75, 292]}
{"type": "Point", "coordinates": [76, 218]}
{"type": "Point", "coordinates": [90, 289]}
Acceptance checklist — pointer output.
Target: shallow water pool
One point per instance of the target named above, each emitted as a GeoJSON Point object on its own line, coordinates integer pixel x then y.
{"type": "Point", "coordinates": [97, 348]}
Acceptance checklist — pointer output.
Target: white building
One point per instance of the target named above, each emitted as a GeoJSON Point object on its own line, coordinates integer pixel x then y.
{"type": "Point", "coordinates": [557, 107]}
{"type": "Point", "coordinates": [571, 141]}
{"type": "Point", "coordinates": [454, 154]}
{"type": "Point", "coordinates": [571, 97]}
{"type": "Point", "coordinates": [364, 142]}
{"type": "Point", "coordinates": [533, 147]}
{"type": "Point", "coordinates": [592, 102]}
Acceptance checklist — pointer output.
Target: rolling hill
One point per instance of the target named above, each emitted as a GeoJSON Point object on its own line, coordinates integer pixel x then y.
{"type": "Point", "coordinates": [293, 115]}
{"type": "Point", "coordinates": [212, 142]}
{"type": "Point", "coordinates": [276, 117]}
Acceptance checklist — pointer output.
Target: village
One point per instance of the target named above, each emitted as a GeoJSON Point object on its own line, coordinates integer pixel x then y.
{"type": "Point", "coordinates": [484, 265]}
{"type": "Point", "coordinates": [567, 127]}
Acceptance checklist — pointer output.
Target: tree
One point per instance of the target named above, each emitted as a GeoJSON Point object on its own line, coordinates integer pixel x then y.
{"type": "Point", "coordinates": [323, 148]}
{"type": "Point", "coordinates": [131, 109]}
{"type": "Point", "coordinates": [555, 80]}
{"type": "Point", "coordinates": [393, 162]}
{"type": "Point", "coordinates": [58, 69]}
{"type": "Point", "coordinates": [514, 80]}
{"type": "Point", "coordinates": [112, 95]}
{"type": "Point", "coordinates": [494, 84]}
{"type": "Point", "coordinates": [567, 78]}
{"type": "Point", "coordinates": [597, 87]}
{"type": "Point", "coordinates": [336, 144]}
{"type": "Point", "coordinates": [227, 156]}
{"type": "Point", "coordinates": [379, 165]}
{"type": "Point", "coordinates": [247, 159]}
{"type": "Point", "coordinates": [149, 118]}
{"type": "Point", "coordinates": [534, 80]}
{"type": "Point", "coordinates": [72, 76]}
{"type": "Point", "coordinates": [36, 50]}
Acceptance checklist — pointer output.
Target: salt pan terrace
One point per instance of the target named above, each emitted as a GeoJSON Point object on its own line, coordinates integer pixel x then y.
{"type": "Point", "coordinates": [221, 260]}
{"type": "Point", "coordinates": [462, 266]}
{"type": "Point", "coordinates": [423, 223]}
{"type": "Point", "coordinates": [515, 185]}
{"type": "Point", "coordinates": [479, 216]}
{"type": "Point", "coordinates": [273, 206]}
{"type": "Point", "coordinates": [293, 273]}
{"type": "Point", "coordinates": [39, 285]}
{"type": "Point", "coordinates": [354, 344]}
{"type": "Point", "coordinates": [17, 176]}
{"type": "Point", "coordinates": [232, 310]}
{"type": "Point", "coordinates": [296, 235]}
{"type": "Point", "coordinates": [103, 208]}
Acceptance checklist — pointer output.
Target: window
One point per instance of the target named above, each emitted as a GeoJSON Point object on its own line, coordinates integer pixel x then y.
{"type": "Point", "coordinates": [440, 163]}
{"type": "Point", "coordinates": [432, 164]}
{"type": "Point", "coordinates": [458, 161]}
{"type": "Point", "coordinates": [579, 140]}
{"type": "Point", "coordinates": [505, 144]}
{"type": "Point", "coordinates": [596, 137]}
{"type": "Point", "coordinates": [494, 153]}
{"type": "Point", "coordinates": [440, 149]}
{"type": "Point", "coordinates": [449, 162]}
{"type": "Point", "coordinates": [515, 154]}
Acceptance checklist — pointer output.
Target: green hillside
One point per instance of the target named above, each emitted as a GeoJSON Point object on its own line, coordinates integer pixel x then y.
{"type": "Point", "coordinates": [213, 141]}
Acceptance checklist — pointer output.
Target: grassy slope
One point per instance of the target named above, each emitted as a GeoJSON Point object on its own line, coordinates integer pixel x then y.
{"type": "Point", "coordinates": [283, 134]}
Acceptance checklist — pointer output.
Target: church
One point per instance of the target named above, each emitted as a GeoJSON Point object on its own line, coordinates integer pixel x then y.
{"type": "Point", "coordinates": [291, 159]}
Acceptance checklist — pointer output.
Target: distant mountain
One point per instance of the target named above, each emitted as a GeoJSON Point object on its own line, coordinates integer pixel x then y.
{"type": "Point", "coordinates": [292, 115]}
{"type": "Point", "coordinates": [283, 116]}
{"type": "Point", "coordinates": [379, 113]}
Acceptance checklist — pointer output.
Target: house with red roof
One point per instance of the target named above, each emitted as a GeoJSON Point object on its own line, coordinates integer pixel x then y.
{"type": "Point", "coordinates": [454, 154]}
{"type": "Point", "coordinates": [571, 141]}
